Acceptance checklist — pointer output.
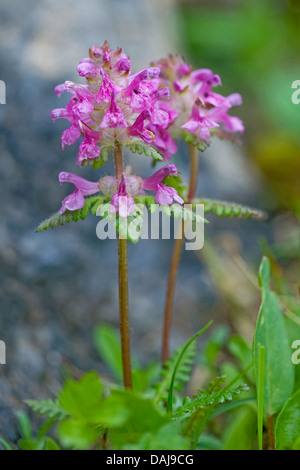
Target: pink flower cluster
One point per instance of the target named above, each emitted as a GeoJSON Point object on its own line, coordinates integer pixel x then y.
{"type": "Point", "coordinates": [114, 106]}
{"type": "Point", "coordinates": [193, 106]}
{"type": "Point", "coordinates": [154, 107]}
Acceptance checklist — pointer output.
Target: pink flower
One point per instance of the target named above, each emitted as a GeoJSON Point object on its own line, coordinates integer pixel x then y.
{"type": "Point", "coordinates": [163, 194]}
{"type": "Point", "coordinates": [200, 121]}
{"type": "Point", "coordinates": [121, 201]}
{"type": "Point", "coordinates": [193, 106]}
{"type": "Point", "coordinates": [114, 106]}
{"type": "Point", "coordinates": [83, 187]}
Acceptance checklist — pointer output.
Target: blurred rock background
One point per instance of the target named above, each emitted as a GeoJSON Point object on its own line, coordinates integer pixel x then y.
{"type": "Point", "coordinates": [57, 285]}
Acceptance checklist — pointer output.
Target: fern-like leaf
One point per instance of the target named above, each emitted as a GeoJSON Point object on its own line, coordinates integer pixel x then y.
{"type": "Point", "coordinates": [230, 209]}
{"type": "Point", "coordinates": [51, 408]}
{"type": "Point", "coordinates": [145, 149]}
{"type": "Point", "coordinates": [182, 376]}
{"type": "Point", "coordinates": [90, 207]}
{"type": "Point", "coordinates": [208, 399]}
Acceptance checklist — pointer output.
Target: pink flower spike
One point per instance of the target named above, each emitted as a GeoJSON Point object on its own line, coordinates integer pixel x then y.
{"type": "Point", "coordinates": [151, 183]}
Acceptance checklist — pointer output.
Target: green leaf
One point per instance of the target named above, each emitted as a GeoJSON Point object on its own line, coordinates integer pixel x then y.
{"type": "Point", "coordinates": [165, 438]}
{"type": "Point", "coordinates": [209, 399]}
{"type": "Point", "coordinates": [51, 408]}
{"type": "Point", "coordinates": [51, 444]}
{"type": "Point", "coordinates": [177, 366]}
{"type": "Point", "coordinates": [261, 364]}
{"type": "Point", "coordinates": [75, 433]}
{"type": "Point", "coordinates": [82, 399]}
{"type": "Point", "coordinates": [90, 206]}
{"type": "Point", "coordinates": [107, 341]}
{"type": "Point", "coordinates": [143, 416]}
{"type": "Point", "coordinates": [30, 444]}
{"type": "Point", "coordinates": [146, 150]}
{"type": "Point", "coordinates": [230, 209]}
{"type": "Point", "coordinates": [271, 333]}
{"type": "Point", "coordinates": [207, 442]}
{"type": "Point", "coordinates": [5, 444]}
{"type": "Point", "coordinates": [287, 428]}
{"type": "Point", "coordinates": [24, 425]}
{"type": "Point", "coordinates": [241, 432]}
{"type": "Point", "coordinates": [167, 371]}
{"type": "Point", "coordinates": [240, 349]}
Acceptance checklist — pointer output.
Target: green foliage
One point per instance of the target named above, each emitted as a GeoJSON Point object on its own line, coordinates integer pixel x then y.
{"type": "Point", "coordinates": [230, 209]}
{"type": "Point", "coordinates": [224, 413]}
{"type": "Point", "coordinates": [146, 150]}
{"type": "Point", "coordinates": [184, 365]}
{"type": "Point", "coordinates": [209, 399]}
{"type": "Point", "coordinates": [241, 431]}
{"type": "Point", "coordinates": [50, 408]}
{"type": "Point", "coordinates": [91, 205]}
{"type": "Point", "coordinates": [107, 342]}
{"type": "Point", "coordinates": [178, 369]}
{"type": "Point", "coordinates": [287, 429]}
{"type": "Point", "coordinates": [167, 437]}
{"type": "Point", "coordinates": [271, 334]}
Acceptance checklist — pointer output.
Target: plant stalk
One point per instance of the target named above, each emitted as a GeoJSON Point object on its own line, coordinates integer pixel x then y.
{"type": "Point", "coordinates": [173, 271]}
{"type": "Point", "coordinates": [123, 289]}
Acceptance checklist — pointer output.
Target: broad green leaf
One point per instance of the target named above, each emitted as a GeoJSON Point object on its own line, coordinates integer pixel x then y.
{"type": "Point", "coordinates": [24, 425]}
{"type": "Point", "coordinates": [271, 333]}
{"type": "Point", "coordinates": [143, 417]}
{"type": "Point", "coordinates": [82, 399]}
{"type": "Point", "coordinates": [75, 433]}
{"type": "Point", "coordinates": [168, 437]}
{"type": "Point", "coordinates": [50, 444]}
{"type": "Point", "coordinates": [261, 365]}
{"type": "Point", "coordinates": [241, 432]}
{"type": "Point", "coordinates": [287, 428]}
{"type": "Point", "coordinates": [207, 442]}
{"type": "Point", "coordinates": [107, 341]}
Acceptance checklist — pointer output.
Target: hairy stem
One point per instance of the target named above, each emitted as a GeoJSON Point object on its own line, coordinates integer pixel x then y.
{"type": "Point", "coordinates": [123, 289]}
{"type": "Point", "coordinates": [173, 271]}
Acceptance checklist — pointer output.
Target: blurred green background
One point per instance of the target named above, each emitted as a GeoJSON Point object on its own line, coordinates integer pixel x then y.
{"type": "Point", "coordinates": [255, 47]}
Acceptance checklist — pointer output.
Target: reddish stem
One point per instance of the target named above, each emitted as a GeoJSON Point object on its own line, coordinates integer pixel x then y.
{"type": "Point", "coordinates": [173, 271]}
{"type": "Point", "coordinates": [123, 289]}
